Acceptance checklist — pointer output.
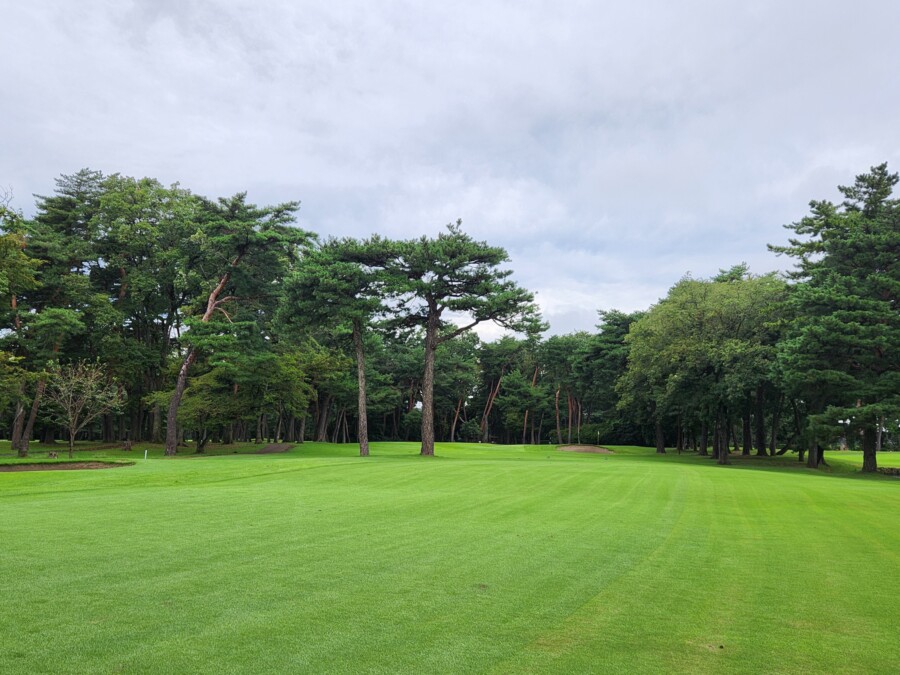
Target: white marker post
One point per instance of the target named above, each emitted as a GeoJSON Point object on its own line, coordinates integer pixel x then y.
{"type": "Point", "coordinates": [145, 454]}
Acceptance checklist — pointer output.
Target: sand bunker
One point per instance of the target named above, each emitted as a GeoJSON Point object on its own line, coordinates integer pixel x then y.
{"type": "Point", "coordinates": [596, 449]}
{"type": "Point", "coordinates": [61, 466]}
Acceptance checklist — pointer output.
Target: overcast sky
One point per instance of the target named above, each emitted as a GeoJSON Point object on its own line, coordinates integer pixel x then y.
{"type": "Point", "coordinates": [611, 147]}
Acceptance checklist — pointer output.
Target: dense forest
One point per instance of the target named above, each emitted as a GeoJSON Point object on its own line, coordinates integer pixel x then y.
{"type": "Point", "coordinates": [139, 312]}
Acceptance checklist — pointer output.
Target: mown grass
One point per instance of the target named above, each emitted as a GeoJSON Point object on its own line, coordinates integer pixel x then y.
{"type": "Point", "coordinates": [483, 559]}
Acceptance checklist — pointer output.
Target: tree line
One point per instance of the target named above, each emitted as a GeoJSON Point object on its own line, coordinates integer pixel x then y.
{"type": "Point", "coordinates": [219, 320]}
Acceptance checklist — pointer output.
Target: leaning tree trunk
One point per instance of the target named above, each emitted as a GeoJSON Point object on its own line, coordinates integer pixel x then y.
{"type": "Point", "coordinates": [428, 387]}
{"type": "Point", "coordinates": [212, 304]}
{"type": "Point", "coordinates": [32, 416]}
{"type": "Point", "coordinates": [18, 427]}
{"type": "Point", "coordinates": [362, 424]}
{"type": "Point", "coordinates": [455, 420]}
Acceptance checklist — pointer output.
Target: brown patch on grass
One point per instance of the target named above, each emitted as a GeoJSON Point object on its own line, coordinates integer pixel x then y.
{"type": "Point", "coordinates": [275, 447]}
{"type": "Point", "coordinates": [62, 466]}
{"type": "Point", "coordinates": [596, 449]}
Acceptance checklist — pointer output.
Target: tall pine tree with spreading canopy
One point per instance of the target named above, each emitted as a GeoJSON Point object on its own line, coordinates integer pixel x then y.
{"type": "Point", "coordinates": [453, 274]}
{"type": "Point", "coordinates": [843, 350]}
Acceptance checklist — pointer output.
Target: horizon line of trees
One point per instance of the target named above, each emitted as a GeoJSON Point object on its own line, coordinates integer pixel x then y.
{"type": "Point", "coordinates": [218, 320]}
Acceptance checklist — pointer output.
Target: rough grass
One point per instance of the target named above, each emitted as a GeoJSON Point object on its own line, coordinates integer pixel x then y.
{"type": "Point", "coordinates": [483, 559]}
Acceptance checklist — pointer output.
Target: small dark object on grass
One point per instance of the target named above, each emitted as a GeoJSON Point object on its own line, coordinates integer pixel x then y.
{"type": "Point", "coordinates": [127, 446]}
{"type": "Point", "coordinates": [52, 455]}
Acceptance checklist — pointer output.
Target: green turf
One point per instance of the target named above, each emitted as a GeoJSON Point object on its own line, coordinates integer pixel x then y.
{"type": "Point", "coordinates": [483, 559]}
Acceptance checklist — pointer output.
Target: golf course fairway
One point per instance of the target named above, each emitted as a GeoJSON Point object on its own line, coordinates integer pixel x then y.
{"type": "Point", "coordinates": [483, 559]}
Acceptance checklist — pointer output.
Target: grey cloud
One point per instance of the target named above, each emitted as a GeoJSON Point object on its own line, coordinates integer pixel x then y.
{"type": "Point", "coordinates": [611, 147]}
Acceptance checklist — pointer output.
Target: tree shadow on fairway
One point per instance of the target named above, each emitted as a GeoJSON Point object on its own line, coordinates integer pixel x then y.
{"type": "Point", "coordinates": [841, 464]}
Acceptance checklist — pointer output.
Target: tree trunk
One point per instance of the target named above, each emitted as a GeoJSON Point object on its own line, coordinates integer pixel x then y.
{"type": "Point", "coordinates": [431, 335]}
{"type": "Point", "coordinates": [278, 426]}
{"type": "Point", "coordinates": [704, 438]}
{"type": "Point", "coordinates": [455, 420]}
{"type": "Point", "coordinates": [322, 421]}
{"type": "Point", "coordinates": [558, 428]}
{"type": "Point", "coordinates": [71, 443]}
{"type": "Point", "coordinates": [660, 438]}
{"type": "Point", "coordinates": [870, 463]}
{"type": "Point", "coordinates": [181, 383]}
{"type": "Point", "coordinates": [32, 416]}
{"type": "Point", "coordinates": [362, 423]}
{"type": "Point", "coordinates": [746, 432]}
{"type": "Point", "coordinates": [172, 416]}
{"type": "Point", "coordinates": [759, 417]}
{"type": "Point", "coordinates": [723, 431]}
{"type": "Point", "coordinates": [488, 406]}
{"type": "Point", "coordinates": [301, 435]}
{"type": "Point", "coordinates": [156, 425]}
{"type": "Point", "coordinates": [18, 426]}
{"type": "Point", "coordinates": [337, 426]}
{"type": "Point", "coordinates": [776, 421]}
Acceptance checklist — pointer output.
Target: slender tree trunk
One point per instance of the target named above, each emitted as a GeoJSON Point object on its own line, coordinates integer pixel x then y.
{"type": "Point", "coordinates": [717, 438]}
{"type": "Point", "coordinates": [322, 421]}
{"type": "Point", "coordinates": [569, 417]}
{"type": "Point", "coordinates": [301, 435]}
{"type": "Point", "coordinates": [431, 335]}
{"type": "Point", "coordinates": [279, 425]}
{"type": "Point", "coordinates": [679, 436]}
{"type": "Point", "coordinates": [337, 426]}
{"type": "Point", "coordinates": [362, 423]}
{"type": "Point", "coordinates": [156, 425]}
{"type": "Point", "coordinates": [488, 406]}
{"type": "Point", "coordinates": [724, 431]}
{"type": "Point", "coordinates": [760, 419]}
{"type": "Point", "coordinates": [32, 416]}
{"type": "Point", "coordinates": [870, 463]}
{"type": "Point", "coordinates": [71, 443]}
{"type": "Point", "coordinates": [746, 432]}
{"type": "Point", "coordinates": [455, 419]}
{"type": "Point", "coordinates": [18, 426]}
{"type": "Point", "coordinates": [579, 412]}
{"type": "Point", "coordinates": [776, 421]}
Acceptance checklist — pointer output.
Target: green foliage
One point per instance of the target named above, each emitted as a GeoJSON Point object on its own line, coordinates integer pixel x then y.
{"type": "Point", "coordinates": [842, 351]}
{"type": "Point", "coordinates": [81, 392]}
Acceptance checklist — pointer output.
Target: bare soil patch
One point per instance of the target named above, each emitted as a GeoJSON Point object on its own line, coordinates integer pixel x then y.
{"type": "Point", "coordinates": [275, 447]}
{"type": "Point", "coordinates": [61, 466]}
{"type": "Point", "coordinates": [596, 449]}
